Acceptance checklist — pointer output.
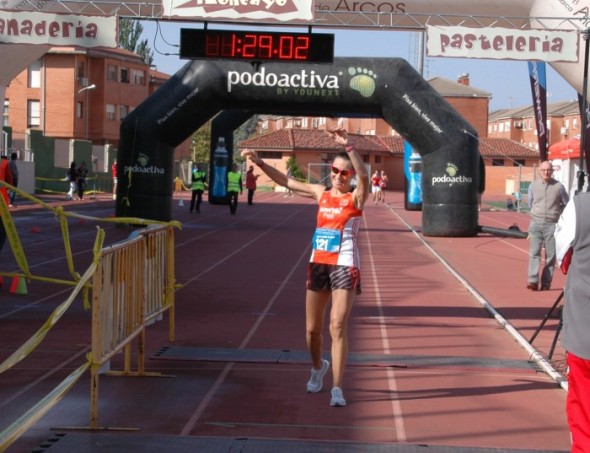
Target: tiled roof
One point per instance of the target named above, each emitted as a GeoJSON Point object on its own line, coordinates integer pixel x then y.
{"type": "Point", "coordinates": [313, 139]}
{"type": "Point", "coordinates": [503, 147]}
{"type": "Point", "coordinates": [450, 88]}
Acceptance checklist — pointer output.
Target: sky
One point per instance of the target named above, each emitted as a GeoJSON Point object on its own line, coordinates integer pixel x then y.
{"type": "Point", "coordinates": [507, 81]}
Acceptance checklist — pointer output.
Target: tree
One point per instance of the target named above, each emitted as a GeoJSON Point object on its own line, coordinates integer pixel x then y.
{"type": "Point", "coordinates": [296, 172]}
{"type": "Point", "coordinates": [200, 146]}
{"type": "Point", "coordinates": [129, 34]}
{"type": "Point", "coordinates": [244, 132]}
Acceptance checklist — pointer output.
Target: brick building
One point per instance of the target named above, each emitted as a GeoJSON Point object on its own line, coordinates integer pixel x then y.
{"type": "Point", "coordinates": [78, 93]}
{"type": "Point", "coordinates": [518, 124]}
{"type": "Point", "coordinates": [507, 161]}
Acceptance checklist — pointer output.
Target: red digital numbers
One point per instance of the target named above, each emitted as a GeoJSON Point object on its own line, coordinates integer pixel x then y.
{"type": "Point", "coordinates": [257, 46]}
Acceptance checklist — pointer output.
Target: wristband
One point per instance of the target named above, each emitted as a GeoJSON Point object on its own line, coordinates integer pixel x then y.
{"type": "Point", "coordinates": [348, 148]}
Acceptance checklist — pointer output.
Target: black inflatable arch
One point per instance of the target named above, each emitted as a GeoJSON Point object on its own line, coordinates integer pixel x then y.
{"type": "Point", "coordinates": [380, 87]}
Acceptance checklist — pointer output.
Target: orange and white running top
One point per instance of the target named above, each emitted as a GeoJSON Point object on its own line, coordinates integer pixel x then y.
{"type": "Point", "coordinates": [335, 238]}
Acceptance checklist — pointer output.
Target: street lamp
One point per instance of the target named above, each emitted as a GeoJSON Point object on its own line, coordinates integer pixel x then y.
{"type": "Point", "coordinates": [86, 89]}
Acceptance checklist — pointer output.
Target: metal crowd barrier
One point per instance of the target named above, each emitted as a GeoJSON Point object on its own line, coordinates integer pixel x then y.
{"type": "Point", "coordinates": [132, 286]}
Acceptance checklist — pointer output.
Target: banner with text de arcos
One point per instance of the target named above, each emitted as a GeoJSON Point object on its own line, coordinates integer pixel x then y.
{"type": "Point", "coordinates": [57, 29]}
{"type": "Point", "coordinates": [252, 10]}
{"type": "Point", "coordinates": [502, 44]}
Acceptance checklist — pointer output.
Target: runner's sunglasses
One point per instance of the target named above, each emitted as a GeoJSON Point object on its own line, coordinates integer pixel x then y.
{"type": "Point", "coordinates": [344, 173]}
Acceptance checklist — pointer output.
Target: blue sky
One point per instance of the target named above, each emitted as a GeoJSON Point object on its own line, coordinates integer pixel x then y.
{"type": "Point", "coordinates": [507, 81]}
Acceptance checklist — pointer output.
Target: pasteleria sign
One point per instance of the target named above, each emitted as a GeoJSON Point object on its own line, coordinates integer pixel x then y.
{"type": "Point", "coordinates": [502, 43]}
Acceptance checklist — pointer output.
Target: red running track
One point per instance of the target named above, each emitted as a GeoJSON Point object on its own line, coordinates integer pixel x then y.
{"type": "Point", "coordinates": [428, 364]}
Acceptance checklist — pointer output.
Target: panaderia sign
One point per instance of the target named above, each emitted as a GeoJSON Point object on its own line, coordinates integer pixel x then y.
{"type": "Point", "coordinates": [57, 29]}
{"type": "Point", "coordinates": [502, 44]}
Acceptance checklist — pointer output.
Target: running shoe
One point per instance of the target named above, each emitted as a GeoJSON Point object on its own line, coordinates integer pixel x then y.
{"type": "Point", "coordinates": [314, 385]}
{"type": "Point", "coordinates": [337, 397]}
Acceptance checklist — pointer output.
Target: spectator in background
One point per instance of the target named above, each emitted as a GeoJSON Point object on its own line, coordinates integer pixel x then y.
{"type": "Point", "coordinates": [383, 185]}
{"type": "Point", "coordinates": [198, 182]}
{"type": "Point", "coordinates": [14, 170]}
{"type": "Point", "coordinates": [376, 186]}
{"type": "Point", "coordinates": [81, 175]}
{"type": "Point", "coordinates": [114, 172]}
{"type": "Point", "coordinates": [572, 235]}
{"type": "Point", "coordinates": [547, 197]}
{"type": "Point", "coordinates": [234, 187]}
{"type": "Point", "coordinates": [6, 176]}
{"type": "Point", "coordinates": [251, 184]}
{"type": "Point", "coordinates": [71, 177]}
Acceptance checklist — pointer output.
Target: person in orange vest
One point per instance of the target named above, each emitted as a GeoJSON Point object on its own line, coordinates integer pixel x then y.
{"type": "Point", "coordinates": [333, 271]}
{"type": "Point", "coordinates": [5, 175]}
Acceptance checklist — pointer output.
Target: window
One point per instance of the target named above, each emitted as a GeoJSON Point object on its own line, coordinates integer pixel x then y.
{"type": "Point", "coordinates": [5, 121]}
{"type": "Point", "coordinates": [80, 70]}
{"type": "Point", "coordinates": [270, 155]}
{"type": "Point", "coordinates": [124, 75]}
{"type": "Point", "coordinates": [110, 109]}
{"type": "Point", "coordinates": [518, 163]}
{"type": "Point", "coordinates": [123, 111]}
{"type": "Point", "coordinates": [497, 162]}
{"type": "Point", "coordinates": [79, 109]}
{"type": "Point", "coordinates": [34, 75]}
{"type": "Point", "coordinates": [304, 122]}
{"type": "Point", "coordinates": [377, 160]}
{"type": "Point", "coordinates": [33, 113]}
{"type": "Point", "coordinates": [112, 72]}
{"type": "Point", "coordinates": [138, 77]}
{"type": "Point", "coordinates": [575, 123]}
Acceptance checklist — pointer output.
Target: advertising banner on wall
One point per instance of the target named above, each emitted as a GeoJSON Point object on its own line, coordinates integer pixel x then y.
{"type": "Point", "coordinates": [57, 29]}
{"type": "Point", "coordinates": [538, 78]}
{"type": "Point", "coordinates": [502, 43]}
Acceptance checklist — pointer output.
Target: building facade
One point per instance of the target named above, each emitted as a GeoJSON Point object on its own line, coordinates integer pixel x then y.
{"type": "Point", "coordinates": [518, 124]}
{"type": "Point", "coordinates": [78, 93]}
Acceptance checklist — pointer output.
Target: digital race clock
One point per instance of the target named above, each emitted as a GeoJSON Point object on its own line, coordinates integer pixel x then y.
{"type": "Point", "coordinates": [256, 46]}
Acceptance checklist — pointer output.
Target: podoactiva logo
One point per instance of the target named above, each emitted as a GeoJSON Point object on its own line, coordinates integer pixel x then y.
{"type": "Point", "coordinates": [306, 83]}
{"type": "Point", "coordinates": [451, 177]}
{"type": "Point", "coordinates": [143, 167]}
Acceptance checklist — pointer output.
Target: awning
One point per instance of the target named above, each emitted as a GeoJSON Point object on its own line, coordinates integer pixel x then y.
{"type": "Point", "coordinates": [567, 149]}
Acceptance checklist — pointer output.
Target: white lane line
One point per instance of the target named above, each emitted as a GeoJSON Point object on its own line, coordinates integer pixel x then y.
{"type": "Point", "coordinates": [196, 415]}
{"type": "Point", "coordinates": [535, 355]}
{"type": "Point", "coordinates": [396, 408]}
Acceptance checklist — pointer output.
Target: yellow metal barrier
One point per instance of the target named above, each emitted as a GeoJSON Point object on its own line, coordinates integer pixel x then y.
{"type": "Point", "coordinates": [133, 284]}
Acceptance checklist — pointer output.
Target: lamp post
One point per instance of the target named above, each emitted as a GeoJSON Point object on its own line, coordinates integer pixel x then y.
{"type": "Point", "coordinates": [86, 89]}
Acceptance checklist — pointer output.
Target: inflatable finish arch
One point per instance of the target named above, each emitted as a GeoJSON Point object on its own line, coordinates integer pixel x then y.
{"type": "Point", "coordinates": [380, 87]}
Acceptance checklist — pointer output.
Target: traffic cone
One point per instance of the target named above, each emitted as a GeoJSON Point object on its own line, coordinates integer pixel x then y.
{"type": "Point", "coordinates": [18, 286]}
